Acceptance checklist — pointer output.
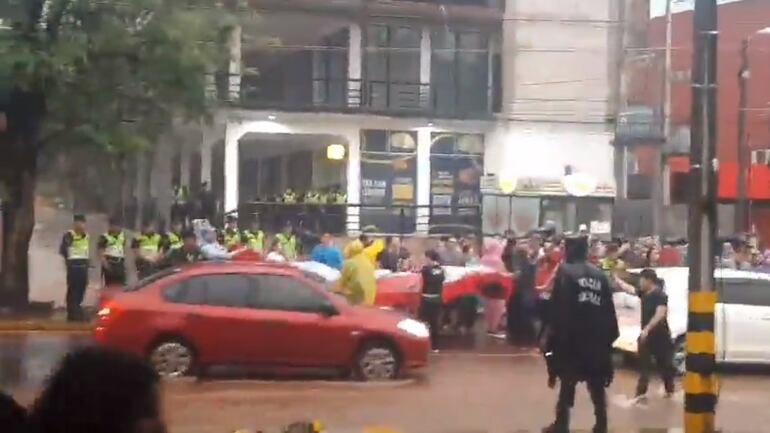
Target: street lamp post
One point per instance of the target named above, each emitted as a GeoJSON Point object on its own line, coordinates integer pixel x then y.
{"type": "Point", "coordinates": [742, 208]}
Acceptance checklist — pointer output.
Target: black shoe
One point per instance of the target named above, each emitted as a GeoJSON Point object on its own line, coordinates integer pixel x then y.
{"type": "Point", "coordinates": [599, 428]}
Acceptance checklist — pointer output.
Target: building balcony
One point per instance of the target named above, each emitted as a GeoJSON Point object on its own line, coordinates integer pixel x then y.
{"type": "Point", "coordinates": [357, 96]}
{"type": "Point", "coordinates": [465, 11]}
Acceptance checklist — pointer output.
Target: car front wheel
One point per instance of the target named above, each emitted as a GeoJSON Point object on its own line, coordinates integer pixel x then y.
{"type": "Point", "coordinates": [377, 362]}
{"type": "Point", "coordinates": [172, 358]}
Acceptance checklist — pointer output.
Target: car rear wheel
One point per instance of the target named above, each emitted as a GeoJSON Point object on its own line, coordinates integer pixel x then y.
{"type": "Point", "coordinates": [173, 358]}
{"type": "Point", "coordinates": [377, 361]}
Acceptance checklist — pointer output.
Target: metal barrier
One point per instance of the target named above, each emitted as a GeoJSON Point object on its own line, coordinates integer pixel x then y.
{"type": "Point", "coordinates": [342, 219]}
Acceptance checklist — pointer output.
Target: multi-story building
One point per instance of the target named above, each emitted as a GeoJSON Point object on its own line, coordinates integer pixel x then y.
{"type": "Point", "coordinates": [740, 21]}
{"type": "Point", "coordinates": [425, 98]}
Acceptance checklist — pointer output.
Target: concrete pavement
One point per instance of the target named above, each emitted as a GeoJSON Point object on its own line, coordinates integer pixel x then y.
{"type": "Point", "coordinates": [499, 390]}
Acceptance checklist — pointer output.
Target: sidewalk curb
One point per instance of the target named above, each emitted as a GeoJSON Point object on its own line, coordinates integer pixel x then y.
{"type": "Point", "coordinates": [19, 326]}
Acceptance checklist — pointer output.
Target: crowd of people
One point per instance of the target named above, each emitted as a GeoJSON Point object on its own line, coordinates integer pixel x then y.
{"type": "Point", "coordinates": [562, 302]}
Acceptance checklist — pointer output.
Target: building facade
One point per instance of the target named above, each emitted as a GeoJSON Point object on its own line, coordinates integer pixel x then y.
{"type": "Point", "coordinates": [740, 21]}
{"type": "Point", "coordinates": [430, 100]}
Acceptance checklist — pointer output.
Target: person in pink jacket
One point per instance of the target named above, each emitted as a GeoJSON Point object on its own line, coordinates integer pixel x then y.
{"type": "Point", "coordinates": [494, 311]}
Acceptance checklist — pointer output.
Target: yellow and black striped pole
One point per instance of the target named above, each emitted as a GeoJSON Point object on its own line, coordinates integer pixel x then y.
{"type": "Point", "coordinates": [700, 383]}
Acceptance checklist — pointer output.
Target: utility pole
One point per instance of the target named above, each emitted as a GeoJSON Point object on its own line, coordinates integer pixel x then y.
{"type": "Point", "coordinates": [741, 209]}
{"type": "Point", "coordinates": [658, 195]}
{"type": "Point", "coordinates": [700, 382]}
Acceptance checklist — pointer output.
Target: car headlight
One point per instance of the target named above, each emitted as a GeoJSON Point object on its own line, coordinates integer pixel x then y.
{"type": "Point", "coordinates": [414, 327]}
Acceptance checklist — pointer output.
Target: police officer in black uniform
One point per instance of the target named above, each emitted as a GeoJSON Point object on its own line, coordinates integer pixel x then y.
{"type": "Point", "coordinates": [581, 329]}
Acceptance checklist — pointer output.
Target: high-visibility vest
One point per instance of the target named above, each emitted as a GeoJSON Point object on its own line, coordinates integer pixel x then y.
{"type": "Point", "coordinates": [341, 198]}
{"type": "Point", "coordinates": [255, 241]}
{"type": "Point", "coordinates": [149, 246]}
{"type": "Point", "coordinates": [289, 197]}
{"type": "Point", "coordinates": [174, 240]}
{"type": "Point", "coordinates": [115, 245]}
{"type": "Point", "coordinates": [78, 249]}
{"type": "Point", "coordinates": [180, 194]}
{"type": "Point", "coordinates": [231, 237]}
{"type": "Point", "coordinates": [288, 245]}
{"type": "Point", "coordinates": [311, 198]}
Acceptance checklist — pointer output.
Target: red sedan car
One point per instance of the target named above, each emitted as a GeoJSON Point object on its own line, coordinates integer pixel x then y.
{"type": "Point", "coordinates": [237, 313]}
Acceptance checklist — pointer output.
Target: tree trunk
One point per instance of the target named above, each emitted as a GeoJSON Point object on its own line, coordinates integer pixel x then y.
{"type": "Point", "coordinates": [19, 147]}
{"type": "Point", "coordinates": [18, 224]}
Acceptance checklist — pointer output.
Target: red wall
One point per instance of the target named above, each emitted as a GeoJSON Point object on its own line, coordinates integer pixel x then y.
{"type": "Point", "coordinates": [736, 22]}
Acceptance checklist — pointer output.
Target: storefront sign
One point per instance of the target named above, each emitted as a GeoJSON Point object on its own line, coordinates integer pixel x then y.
{"type": "Point", "coordinates": [600, 227]}
{"type": "Point", "coordinates": [455, 188]}
{"type": "Point", "coordinates": [556, 187]}
{"type": "Point", "coordinates": [388, 187]}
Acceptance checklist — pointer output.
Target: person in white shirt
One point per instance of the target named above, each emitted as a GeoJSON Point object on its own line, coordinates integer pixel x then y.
{"type": "Point", "coordinates": [275, 254]}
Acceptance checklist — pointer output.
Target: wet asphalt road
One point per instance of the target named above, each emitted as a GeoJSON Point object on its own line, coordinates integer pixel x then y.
{"type": "Point", "coordinates": [493, 388]}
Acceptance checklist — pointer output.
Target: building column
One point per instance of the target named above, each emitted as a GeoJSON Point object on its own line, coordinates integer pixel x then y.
{"type": "Point", "coordinates": [185, 157]}
{"type": "Point", "coordinates": [423, 180]}
{"type": "Point", "coordinates": [208, 139]}
{"type": "Point", "coordinates": [425, 63]}
{"type": "Point", "coordinates": [232, 136]}
{"type": "Point", "coordinates": [235, 67]}
{"type": "Point", "coordinates": [354, 183]}
{"type": "Point", "coordinates": [355, 88]}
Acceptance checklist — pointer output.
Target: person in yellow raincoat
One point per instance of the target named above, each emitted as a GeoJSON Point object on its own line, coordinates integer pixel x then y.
{"type": "Point", "coordinates": [372, 247]}
{"type": "Point", "coordinates": [357, 281]}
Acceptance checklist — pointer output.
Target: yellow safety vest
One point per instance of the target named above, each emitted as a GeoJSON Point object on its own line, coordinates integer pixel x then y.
{"type": "Point", "coordinates": [174, 240]}
{"type": "Point", "coordinates": [341, 198]}
{"type": "Point", "coordinates": [255, 241]}
{"type": "Point", "coordinates": [78, 249]}
{"type": "Point", "coordinates": [289, 197]}
{"type": "Point", "coordinates": [231, 237]}
{"type": "Point", "coordinates": [288, 245]}
{"type": "Point", "coordinates": [149, 246]}
{"type": "Point", "coordinates": [115, 245]}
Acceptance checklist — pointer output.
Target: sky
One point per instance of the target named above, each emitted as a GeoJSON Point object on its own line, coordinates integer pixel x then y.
{"type": "Point", "coordinates": [658, 7]}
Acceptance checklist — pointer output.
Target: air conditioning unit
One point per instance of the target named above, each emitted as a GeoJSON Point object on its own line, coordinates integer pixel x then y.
{"type": "Point", "coordinates": [760, 156]}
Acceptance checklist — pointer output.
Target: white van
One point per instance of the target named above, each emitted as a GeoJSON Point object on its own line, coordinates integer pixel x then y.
{"type": "Point", "coordinates": [742, 316]}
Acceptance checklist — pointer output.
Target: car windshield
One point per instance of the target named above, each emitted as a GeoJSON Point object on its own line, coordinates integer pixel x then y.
{"type": "Point", "coordinates": [146, 281]}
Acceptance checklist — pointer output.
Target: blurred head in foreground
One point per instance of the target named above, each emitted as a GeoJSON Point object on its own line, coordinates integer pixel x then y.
{"type": "Point", "coordinates": [99, 390]}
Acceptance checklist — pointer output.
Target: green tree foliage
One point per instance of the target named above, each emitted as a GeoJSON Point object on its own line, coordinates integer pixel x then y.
{"type": "Point", "coordinates": [113, 74]}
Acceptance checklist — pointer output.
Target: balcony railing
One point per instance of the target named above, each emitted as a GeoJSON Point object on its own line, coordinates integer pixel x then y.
{"type": "Point", "coordinates": [355, 96]}
{"type": "Point", "coordinates": [481, 3]}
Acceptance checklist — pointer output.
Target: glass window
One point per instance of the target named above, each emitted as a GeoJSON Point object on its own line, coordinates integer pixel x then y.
{"type": "Point", "coordinates": [194, 291]}
{"type": "Point", "coordinates": [375, 141]}
{"type": "Point", "coordinates": [443, 143]}
{"type": "Point", "coordinates": [173, 292]}
{"type": "Point", "coordinates": [232, 290]}
{"type": "Point", "coordinates": [225, 290]}
{"type": "Point", "coordinates": [278, 292]}
{"type": "Point", "coordinates": [745, 292]}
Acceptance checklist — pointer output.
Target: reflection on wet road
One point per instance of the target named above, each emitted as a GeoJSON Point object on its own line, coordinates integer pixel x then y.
{"type": "Point", "coordinates": [26, 359]}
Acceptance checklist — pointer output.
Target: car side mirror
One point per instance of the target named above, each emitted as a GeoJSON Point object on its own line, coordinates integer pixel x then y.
{"type": "Point", "coordinates": [327, 309]}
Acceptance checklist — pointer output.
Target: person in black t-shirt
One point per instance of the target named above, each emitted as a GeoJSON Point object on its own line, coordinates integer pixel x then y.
{"type": "Point", "coordinates": [432, 288]}
{"type": "Point", "coordinates": [655, 337]}
{"type": "Point", "coordinates": [189, 252]}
